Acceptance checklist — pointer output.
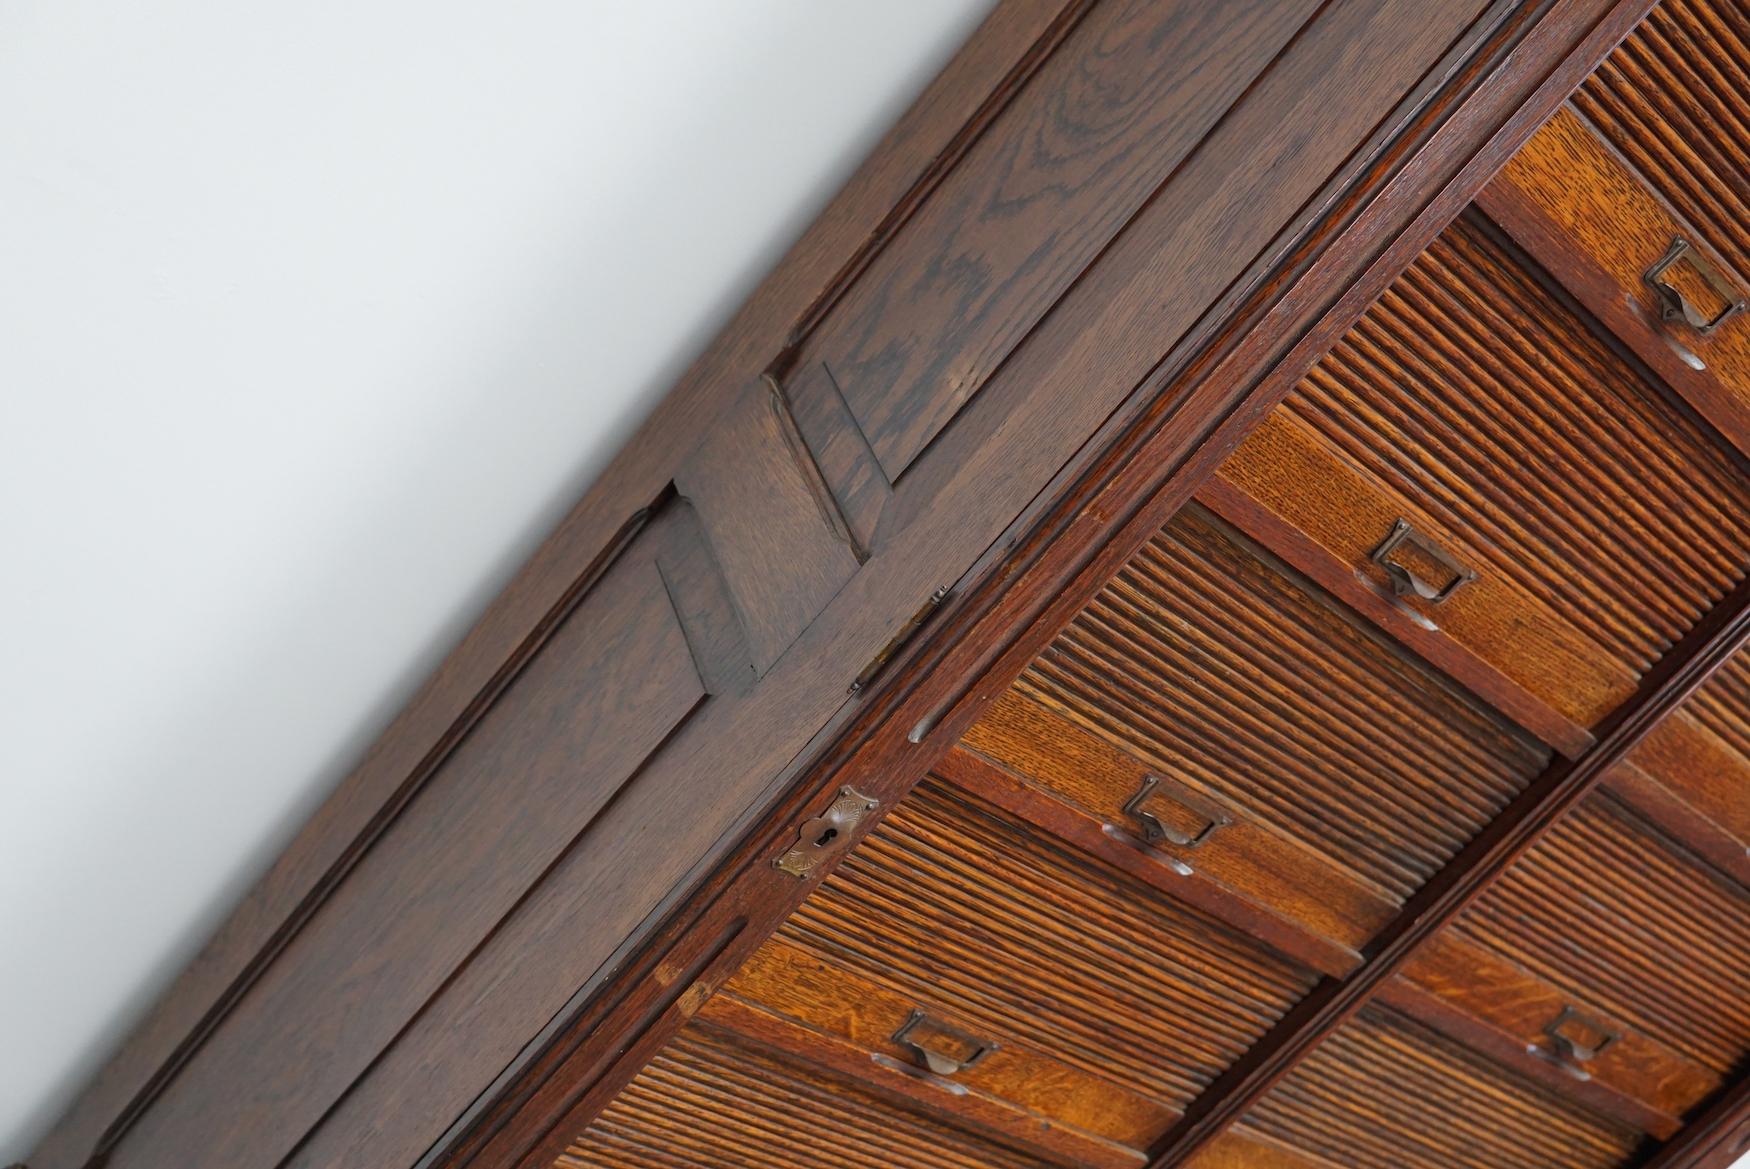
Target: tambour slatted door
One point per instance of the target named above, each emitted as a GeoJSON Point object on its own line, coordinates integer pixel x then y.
{"type": "Point", "coordinates": [1387, 1093]}
{"type": "Point", "coordinates": [710, 1101]}
{"type": "Point", "coordinates": [1434, 582]}
{"type": "Point", "coordinates": [1566, 521]}
{"type": "Point", "coordinates": [966, 960]}
{"type": "Point", "coordinates": [1374, 799]}
{"type": "Point", "coordinates": [1342, 772]}
{"type": "Point", "coordinates": [1612, 953]}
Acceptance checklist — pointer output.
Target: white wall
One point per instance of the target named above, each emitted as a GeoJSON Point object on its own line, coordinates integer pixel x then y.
{"type": "Point", "coordinates": [316, 317]}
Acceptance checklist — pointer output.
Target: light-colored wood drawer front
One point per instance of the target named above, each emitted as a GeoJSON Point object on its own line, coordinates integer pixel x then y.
{"type": "Point", "coordinates": [1300, 757]}
{"type": "Point", "coordinates": [1387, 1093]}
{"type": "Point", "coordinates": [1600, 521]}
{"type": "Point", "coordinates": [1701, 755]}
{"type": "Point", "coordinates": [1051, 993]}
{"type": "Point", "coordinates": [1513, 1001]}
{"type": "Point", "coordinates": [1617, 938]}
{"type": "Point", "coordinates": [1651, 150]}
{"type": "Point", "coordinates": [710, 1100]}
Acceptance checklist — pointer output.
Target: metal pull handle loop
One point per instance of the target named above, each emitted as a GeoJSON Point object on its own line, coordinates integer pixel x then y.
{"type": "Point", "coordinates": [1575, 1039]}
{"type": "Point", "coordinates": [1156, 831]}
{"type": "Point", "coordinates": [1674, 306]}
{"type": "Point", "coordinates": [1404, 581]}
{"type": "Point", "coordinates": [941, 1048]}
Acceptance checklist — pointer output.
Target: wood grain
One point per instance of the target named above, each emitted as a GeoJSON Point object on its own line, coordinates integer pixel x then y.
{"type": "Point", "coordinates": [1493, 419]}
{"type": "Point", "coordinates": [1493, 119]}
{"type": "Point", "coordinates": [965, 910]}
{"type": "Point", "coordinates": [1630, 928]}
{"type": "Point", "coordinates": [1583, 210]}
{"type": "Point", "coordinates": [1101, 128]}
{"type": "Point", "coordinates": [615, 681]}
{"type": "Point", "coordinates": [1487, 985]}
{"type": "Point", "coordinates": [776, 533]}
{"type": "Point", "coordinates": [1197, 658]}
{"type": "Point", "coordinates": [710, 1101]}
{"type": "Point", "coordinates": [1714, 1140]}
{"type": "Point", "coordinates": [946, 496]}
{"type": "Point", "coordinates": [1456, 888]}
{"type": "Point", "coordinates": [1387, 1093]}
{"type": "Point", "coordinates": [920, 145]}
{"type": "Point", "coordinates": [829, 1015]}
{"type": "Point", "coordinates": [1214, 885]}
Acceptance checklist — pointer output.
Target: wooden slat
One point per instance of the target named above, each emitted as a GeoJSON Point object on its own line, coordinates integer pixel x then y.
{"type": "Point", "coordinates": [1504, 997]}
{"type": "Point", "coordinates": [1696, 659]}
{"type": "Point", "coordinates": [1431, 644]}
{"type": "Point", "coordinates": [713, 1101]}
{"type": "Point", "coordinates": [1289, 935]}
{"type": "Point", "coordinates": [1384, 1092]}
{"type": "Point", "coordinates": [964, 1103]}
{"type": "Point", "coordinates": [1714, 1140]}
{"type": "Point", "coordinates": [1138, 470]}
{"type": "Point", "coordinates": [1632, 928]}
{"type": "Point", "coordinates": [847, 1019]}
{"type": "Point", "coordinates": [1584, 212]}
{"type": "Point", "coordinates": [1512, 1053]}
{"type": "Point", "coordinates": [1475, 404]}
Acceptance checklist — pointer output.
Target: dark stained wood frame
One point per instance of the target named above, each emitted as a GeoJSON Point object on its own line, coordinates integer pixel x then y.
{"type": "Point", "coordinates": [1714, 1139]}
{"type": "Point", "coordinates": [1723, 633]}
{"type": "Point", "coordinates": [1146, 476]}
{"type": "Point", "coordinates": [903, 167]}
{"type": "Point", "coordinates": [1138, 470]}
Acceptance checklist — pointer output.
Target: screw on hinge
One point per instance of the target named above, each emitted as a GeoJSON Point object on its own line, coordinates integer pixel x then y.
{"type": "Point", "coordinates": [897, 642]}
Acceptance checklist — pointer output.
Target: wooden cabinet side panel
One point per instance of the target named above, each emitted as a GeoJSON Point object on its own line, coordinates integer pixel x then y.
{"type": "Point", "coordinates": [973, 488]}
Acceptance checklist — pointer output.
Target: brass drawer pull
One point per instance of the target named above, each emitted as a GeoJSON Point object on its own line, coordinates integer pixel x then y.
{"type": "Point", "coordinates": [1404, 581]}
{"type": "Point", "coordinates": [1155, 830]}
{"type": "Point", "coordinates": [1674, 306]}
{"type": "Point", "coordinates": [1575, 1039]}
{"type": "Point", "coordinates": [941, 1047]}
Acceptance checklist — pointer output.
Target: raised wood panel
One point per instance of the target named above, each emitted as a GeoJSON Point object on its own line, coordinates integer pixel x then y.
{"type": "Point", "coordinates": [1472, 403]}
{"type": "Point", "coordinates": [710, 1101]}
{"type": "Point", "coordinates": [616, 680]}
{"type": "Point", "coordinates": [1638, 934]}
{"type": "Point", "coordinates": [1384, 1092]}
{"type": "Point", "coordinates": [1199, 660]}
{"type": "Point", "coordinates": [1285, 135]}
{"type": "Point", "coordinates": [775, 530]}
{"type": "Point", "coordinates": [1099, 129]}
{"type": "Point", "coordinates": [976, 918]}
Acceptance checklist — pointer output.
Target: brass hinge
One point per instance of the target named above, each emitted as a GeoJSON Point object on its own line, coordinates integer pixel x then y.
{"type": "Point", "coordinates": [897, 642]}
